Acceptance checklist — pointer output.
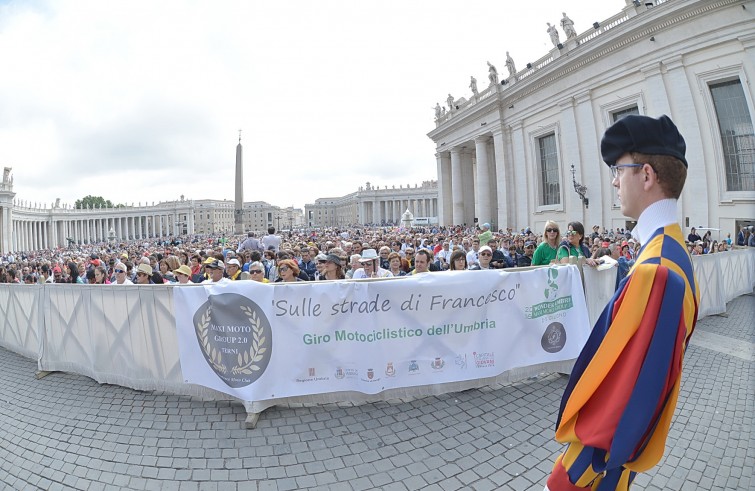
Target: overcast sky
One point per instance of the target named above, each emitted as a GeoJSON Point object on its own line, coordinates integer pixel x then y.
{"type": "Point", "coordinates": [142, 100]}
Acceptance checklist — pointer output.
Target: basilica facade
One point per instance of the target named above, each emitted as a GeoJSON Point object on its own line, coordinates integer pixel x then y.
{"type": "Point", "coordinates": [526, 149]}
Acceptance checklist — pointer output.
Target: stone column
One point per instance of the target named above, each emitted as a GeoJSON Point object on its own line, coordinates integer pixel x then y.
{"type": "Point", "coordinates": [519, 191]}
{"type": "Point", "coordinates": [570, 155]}
{"type": "Point", "coordinates": [484, 214]}
{"type": "Point", "coordinates": [467, 175]}
{"type": "Point", "coordinates": [499, 156]}
{"type": "Point", "coordinates": [457, 187]}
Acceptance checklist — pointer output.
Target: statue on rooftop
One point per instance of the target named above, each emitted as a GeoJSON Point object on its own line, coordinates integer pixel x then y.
{"type": "Point", "coordinates": [492, 74]}
{"type": "Point", "coordinates": [450, 102]}
{"type": "Point", "coordinates": [568, 26]}
{"type": "Point", "coordinates": [510, 64]}
{"type": "Point", "coordinates": [437, 111]}
{"type": "Point", "coordinates": [473, 86]}
{"type": "Point", "coordinates": [553, 33]}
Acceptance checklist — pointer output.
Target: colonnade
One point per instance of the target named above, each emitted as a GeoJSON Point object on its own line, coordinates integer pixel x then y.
{"type": "Point", "coordinates": [471, 182]}
{"type": "Point", "coordinates": [390, 210]}
{"type": "Point", "coordinates": [48, 229]}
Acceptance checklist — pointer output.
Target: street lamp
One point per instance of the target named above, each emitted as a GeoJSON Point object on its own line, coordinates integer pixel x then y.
{"type": "Point", "coordinates": [580, 189]}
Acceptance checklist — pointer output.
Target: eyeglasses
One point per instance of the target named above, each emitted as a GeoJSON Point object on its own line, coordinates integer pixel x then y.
{"type": "Point", "coordinates": [571, 232]}
{"type": "Point", "coordinates": [551, 230]}
{"type": "Point", "coordinates": [322, 261]}
{"type": "Point", "coordinates": [119, 271]}
{"type": "Point", "coordinates": [485, 254]}
{"type": "Point", "coordinates": [283, 269]}
{"type": "Point", "coordinates": [255, 271]}
{"type": "Point", "coordinates": [615, 169]}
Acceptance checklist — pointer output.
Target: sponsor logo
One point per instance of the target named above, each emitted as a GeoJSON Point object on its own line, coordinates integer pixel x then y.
{"type": "Point", "coordinates": [553, 302]}
{"type": "Point", "coordinates": [311, 372]}
{"type": "Point", "coordinates": [461, 361]}
{"type": "Point", "coordinates": [235, 338]}
{"type": "Point", "coordinates": [437, 363]}
{"type": "Point", "coordinates": [484, 360]}
{"type": "Point", "coordinates": [413, 366]}
{"type": "Point", "coordinates": [340, 373]}
{"type": "Point", "coordinates": [370, 376]}
{"type": "Point", "coordinates": [554, 337]}
{"type": "Point", "coordinates": [389, 370]}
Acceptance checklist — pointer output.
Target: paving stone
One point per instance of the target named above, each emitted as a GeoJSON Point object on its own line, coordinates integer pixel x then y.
{"type": "Point", "coordinates": [65, 431]}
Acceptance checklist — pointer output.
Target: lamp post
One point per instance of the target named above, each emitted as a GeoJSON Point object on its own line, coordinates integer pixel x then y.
{"type": "Point", "coordinates": [580, 189]}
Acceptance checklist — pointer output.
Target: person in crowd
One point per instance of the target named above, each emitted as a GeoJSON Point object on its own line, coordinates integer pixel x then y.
{"type": "Point", "coordinates": [458, 261]}
{"type": "Point", "coordinates": [354, 264]}
{"type": "Point", "coordinates": [525, 260]}
{"type": "Point", "coordinates": [722, 247]}
{"type": "Point", "coordinates": [144, 274]}
{"type": "Point", "coordinates": [183, 275]}
{"type": "Point", "coordinates": [101, 276]}
{"type": "Point", "coordinates": [307, 264]}
{"type": "Point", "coordinates": [384, 252]}
{"type": "Point", "coordinates": [618, 404]}
{"type": "Point", "coordinates": [394, 264]}
{"type": "Point", "coordinates": [257, 272]}
{"type": "Point", "coordinates": [288, 271]}
{"type": "Point", "coordinates": [573, 246]}
{"type": "Point", "coordinates": [370, 262]}
{"type": "Point", "coordinates": [233, 269]}
{"type": "Point", "coordinates": [547, 250]}
{"type": "Point", "coordinates": [422, 260]}
{"type": "Point", "coordinates": [250, 244]}
{"type": "Point", "coordinates": [693, 236]}
{"type": "Point", "coordinates": [120, 275]}
{"type": "Point", "coordinates": [485, 257]}
{"type": "Point", "coordinates": [332, 269]}
{"type": "Point", "coordinates": [57, 274]}
{"type": "Point", "coordinates": [165, 271]}
{"type": "Point", "coordinates": [472, 255]}
{"type": "Point", "coordinates": [271, 241]}
{"type": "Point", "coordinates": [215, 270]}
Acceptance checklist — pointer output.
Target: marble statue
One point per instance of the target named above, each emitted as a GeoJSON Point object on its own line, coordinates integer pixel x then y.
{"type": "Point", "coordinates": [6, 174]}
{"type": "Point", "coordinates": [450, 102]}
{"type": "Point", "coordinates": [473, 86]}
{"type": "Point", "coordinates": [553, 33]}
{"type": "Point", "coordinates": [492, 74]}
{"type": "Point", "coordinates": [437, 111]}
{"type": "Point", "coordinates": [510, 64]}
{"type": "Point", "coordinates": [568, 26]}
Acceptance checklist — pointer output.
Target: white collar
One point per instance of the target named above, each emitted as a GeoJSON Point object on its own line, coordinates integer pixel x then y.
{"type": "Point", "coordinates": [655, 216]}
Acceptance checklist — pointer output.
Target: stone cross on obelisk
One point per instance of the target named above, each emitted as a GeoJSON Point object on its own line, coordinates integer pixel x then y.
{"type": "Point", "coordinates": [238, 212]}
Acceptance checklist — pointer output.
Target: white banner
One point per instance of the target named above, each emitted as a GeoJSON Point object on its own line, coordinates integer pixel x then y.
{"type": "Point", "coordinates": [258, 342]}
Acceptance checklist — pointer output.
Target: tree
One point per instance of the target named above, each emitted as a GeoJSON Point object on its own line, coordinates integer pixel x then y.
{"type": "Point", "coordinates": [93, 201]}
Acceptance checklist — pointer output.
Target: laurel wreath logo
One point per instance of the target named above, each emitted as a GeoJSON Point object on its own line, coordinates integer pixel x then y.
{"type": "Point", "coordinates": [204, 341]}
{"type": "Point", "coordinates": [247, 361]}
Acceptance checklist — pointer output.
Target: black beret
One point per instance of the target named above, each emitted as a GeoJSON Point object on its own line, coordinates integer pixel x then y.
{"type": "Point", "coordinates": [642, 134]}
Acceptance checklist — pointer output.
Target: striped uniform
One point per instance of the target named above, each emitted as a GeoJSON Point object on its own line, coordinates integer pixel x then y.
{"type": "Point", "coordinates": [617, 407]}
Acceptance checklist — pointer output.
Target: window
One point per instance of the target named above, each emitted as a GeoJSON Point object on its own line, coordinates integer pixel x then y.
{"type": "Point", "coordinates": [617, 115]}
{"type": "Point", "coordinates": [548, 154]}
{"type": "Point", "coordinates": [737, 137]}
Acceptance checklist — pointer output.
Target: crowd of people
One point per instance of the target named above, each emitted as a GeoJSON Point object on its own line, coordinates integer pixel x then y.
{"type": "Point", "coordinates": [336, 254]}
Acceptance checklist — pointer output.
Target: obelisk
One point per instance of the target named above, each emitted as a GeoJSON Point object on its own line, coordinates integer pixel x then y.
{"type": "Point", "coordinates": [238, 212]}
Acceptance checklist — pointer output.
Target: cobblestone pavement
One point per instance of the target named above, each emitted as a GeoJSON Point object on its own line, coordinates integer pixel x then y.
{"type": "Point", "coordinates": [67, 432]}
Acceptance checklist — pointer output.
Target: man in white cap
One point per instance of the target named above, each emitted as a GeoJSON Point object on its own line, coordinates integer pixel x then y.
{"type": "Point", "coordinates": [370, 262]}
{"type": "Point", "coordinates": [233, 269]}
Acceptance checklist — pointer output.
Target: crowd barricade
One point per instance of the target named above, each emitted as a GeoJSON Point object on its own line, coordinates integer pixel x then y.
{"type": "Point", "coordinates": [127, 335]}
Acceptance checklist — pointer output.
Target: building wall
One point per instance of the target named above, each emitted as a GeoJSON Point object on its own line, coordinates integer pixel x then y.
{"type": "Point", "coordinates": [374, 205]}
{"type": "Point", "coordinates": [661, 60]}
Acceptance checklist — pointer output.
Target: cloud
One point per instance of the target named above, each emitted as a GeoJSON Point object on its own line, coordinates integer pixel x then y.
{"type": "Point", "coordinates": [142, 101]}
